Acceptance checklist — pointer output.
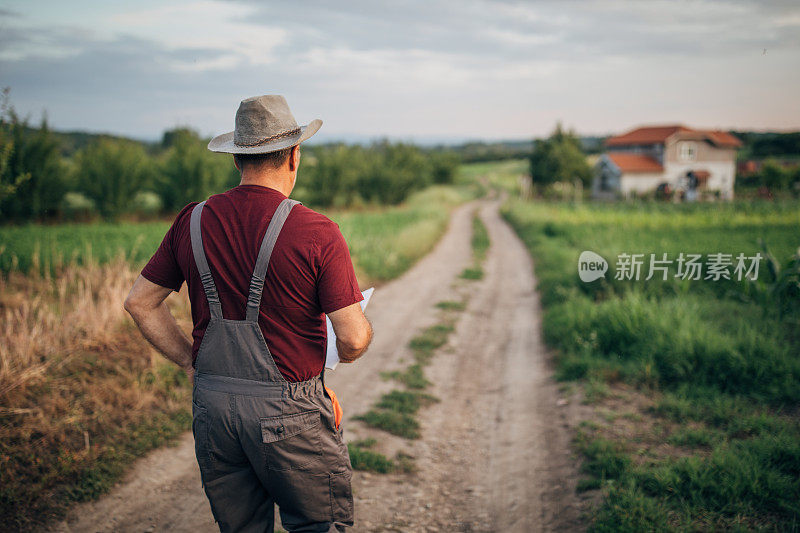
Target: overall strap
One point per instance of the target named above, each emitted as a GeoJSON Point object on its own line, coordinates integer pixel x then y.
{"type": "Point", "coordinates": [260, 271]}
{"type": "Point", "coordinates": [202, 264]}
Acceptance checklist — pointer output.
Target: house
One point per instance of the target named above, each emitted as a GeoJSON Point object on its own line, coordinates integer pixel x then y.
{"type": "Point", "coordinates": [689, 161]}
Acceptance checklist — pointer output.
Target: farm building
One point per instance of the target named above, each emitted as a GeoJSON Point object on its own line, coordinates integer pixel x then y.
{"type": "Point", "coordinates": [689, 161]}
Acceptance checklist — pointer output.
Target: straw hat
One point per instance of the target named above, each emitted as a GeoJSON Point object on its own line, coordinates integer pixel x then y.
{"type": "Point", "coordinates": [263, 124]}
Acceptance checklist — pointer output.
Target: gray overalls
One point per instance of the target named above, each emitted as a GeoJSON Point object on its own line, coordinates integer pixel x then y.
{"type": "Point", "coordinates": [259, 439]}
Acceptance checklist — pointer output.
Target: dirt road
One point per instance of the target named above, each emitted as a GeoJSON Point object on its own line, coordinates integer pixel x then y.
{"type": "Point", "coordinates": [494, 453]}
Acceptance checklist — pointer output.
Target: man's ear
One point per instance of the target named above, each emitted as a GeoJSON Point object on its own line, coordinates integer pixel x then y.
{"type": "Point", "coordinates": [294, 158]}
{"type": "Point", "coordinates": [236, 164]}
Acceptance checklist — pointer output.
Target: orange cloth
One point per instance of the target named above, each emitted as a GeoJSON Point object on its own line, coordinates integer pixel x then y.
{"type": "Point", "coordinates": [337, 409]}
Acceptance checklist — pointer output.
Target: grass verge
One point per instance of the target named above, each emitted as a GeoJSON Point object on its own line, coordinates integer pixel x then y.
{"type": "Point", "coordinates": [712, 442]}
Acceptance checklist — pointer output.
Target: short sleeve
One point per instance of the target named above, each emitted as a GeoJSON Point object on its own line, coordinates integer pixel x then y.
{"type": "Point", "coordinates": [163, 268]}
{"type": "Point", "coordinates": [337, 286]}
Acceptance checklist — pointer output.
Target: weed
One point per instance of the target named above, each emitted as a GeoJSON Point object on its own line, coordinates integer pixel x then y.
{"type": "Point", "coordinates": [407, 402]}
{"type": "Point", "coordinates": [480, 238]}
{"type": "Point", "coordinates": [405, 463]}
{"type": "Point", "coordinates": [605, 459]}
{"type": "Point", "coordinates": [412, 377]}
{"type": "Point", "coordinates": [693, 437]}
{"type": "Point", "coordinates": [480, 244]}
{"type": "Point", "coordinates": [594, 390]}
{"type": "Point", "coordinates": [472, 273]}
{"type": "Point", "coordinates": [424, 344]}
{"type": "Point", "coordinates": [394, 422]}
{"type": "Point", "coordinates": [451, 305]}
{"type": "Point", "coordinates": [364, 459]}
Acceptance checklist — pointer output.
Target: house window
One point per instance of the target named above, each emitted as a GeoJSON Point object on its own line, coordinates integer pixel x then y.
{"type": "Point", "coordinates": [687, 151]}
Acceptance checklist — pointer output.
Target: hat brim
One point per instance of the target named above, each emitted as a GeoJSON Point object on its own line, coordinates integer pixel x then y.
{"type": "Point", "coordinates": [224, 143]}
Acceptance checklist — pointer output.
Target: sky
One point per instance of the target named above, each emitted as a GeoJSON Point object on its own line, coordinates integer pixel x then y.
{"type": "Point", "coordinates": [416, 70]}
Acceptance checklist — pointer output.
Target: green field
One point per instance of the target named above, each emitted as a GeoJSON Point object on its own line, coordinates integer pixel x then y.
{"type": "Point", "coordinates": [384, 241]}
{"type": "Point", "coordinates": [502, 175]}
{"type": "Point", "coordinates": [696, 383]}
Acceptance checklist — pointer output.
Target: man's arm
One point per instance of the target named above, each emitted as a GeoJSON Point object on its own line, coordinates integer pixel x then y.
{"type": "Point", "coordinates": [145, 303]}
{"type": "Point", "coordinates": [353, 332]}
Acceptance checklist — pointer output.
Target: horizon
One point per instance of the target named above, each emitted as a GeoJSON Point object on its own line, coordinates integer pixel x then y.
{"type": "Point", "coordinates": [426, 141]}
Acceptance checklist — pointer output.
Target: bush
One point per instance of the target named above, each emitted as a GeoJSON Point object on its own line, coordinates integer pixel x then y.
{"type": "Point", "coordinates": [76, 206]}
{"type": "Point", "coordinates": [188, 172]}
{"type": "Point", "coordinates": [384, 173]}
{"type": "Point", "coordinates": [111, 173]}
{"type": "Point", "coordinates": [147, 203]}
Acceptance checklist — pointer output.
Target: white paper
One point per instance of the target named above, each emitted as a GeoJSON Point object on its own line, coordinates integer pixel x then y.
{"type": "Point", "coordinates": [332, 355]}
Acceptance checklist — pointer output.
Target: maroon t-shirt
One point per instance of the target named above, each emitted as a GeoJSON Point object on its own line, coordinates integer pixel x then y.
{"type": "Point", "coordinates": [310, 272]}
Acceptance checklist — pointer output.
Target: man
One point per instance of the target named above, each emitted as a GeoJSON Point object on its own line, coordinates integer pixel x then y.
{"type": "Point", "coordinates": [262, 271]}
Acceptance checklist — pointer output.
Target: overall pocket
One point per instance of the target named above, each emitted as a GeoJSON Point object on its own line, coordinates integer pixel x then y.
{"type": "Point", "coordinates": [292, 441]}
{"type": "Point", "coordinates": [341, 497]}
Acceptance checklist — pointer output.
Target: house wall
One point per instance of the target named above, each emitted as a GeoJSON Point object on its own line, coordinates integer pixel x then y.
{"type": "Point", "coordinates": [719, 162]}
{"type": "Point", "coordinates": [705, 151]}
{"type": "Point", "coordinates": [721, 174]}
{"type": "Point", "coordinates": [640, 182]}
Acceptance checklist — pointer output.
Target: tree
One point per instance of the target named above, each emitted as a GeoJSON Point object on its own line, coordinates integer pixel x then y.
{"type": "Point", "coordinates": [444, 165]}
{"type": "Point", "coordinates": [396, 171]}
{"type": "Point", "coordinates": [774, 176]}
{"type": "Point", "coordinates": [9, 180]}
{"type": "Point", "coordinates": [189, 172]}
{"type": "Point", "coordinates": [31, 174]}
{"type": "Point", "coordinates": [559, 158]}
{"type": "Point", "coordinates": [111, 173]}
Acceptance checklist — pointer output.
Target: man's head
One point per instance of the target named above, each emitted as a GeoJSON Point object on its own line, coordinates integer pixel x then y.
{"type": "Point", "coordinates": [277, 168]}
{"type": "Point", "coordinates": [266, 141]}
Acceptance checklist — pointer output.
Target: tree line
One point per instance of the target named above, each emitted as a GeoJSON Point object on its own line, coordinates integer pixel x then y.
{"type": "Point", "coordinates": [109, 177]}
{"type": "Point", "coordinates": [773, 175]}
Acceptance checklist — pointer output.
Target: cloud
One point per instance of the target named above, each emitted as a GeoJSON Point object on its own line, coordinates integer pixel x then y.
{"type": "Point", "coordinates": [423, 67]}
{"type": "Point", "coordinates": [201, 26]}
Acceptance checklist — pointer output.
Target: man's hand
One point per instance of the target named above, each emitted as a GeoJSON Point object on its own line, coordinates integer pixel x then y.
{"type": "Point", "coordinates": [353, 332]}
{"type": "Point", "coordinates": [145, 303]}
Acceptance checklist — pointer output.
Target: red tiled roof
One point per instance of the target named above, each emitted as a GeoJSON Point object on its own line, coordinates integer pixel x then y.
{"type": "Point", "coordinates": [646, 135]}
{"type": "Point", "coordinates": [659, 134]}
{"type": "Point", "coordinates": [723, 138]}
{"type": "Point", "coordinates": [635, 162]}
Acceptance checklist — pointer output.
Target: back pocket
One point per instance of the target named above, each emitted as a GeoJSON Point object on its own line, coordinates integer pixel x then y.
{"type": "Point", "coordinates": [292, 441]}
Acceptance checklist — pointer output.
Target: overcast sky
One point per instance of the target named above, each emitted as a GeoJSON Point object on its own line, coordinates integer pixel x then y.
{"type": "Point", "coordinates": [414, 70]}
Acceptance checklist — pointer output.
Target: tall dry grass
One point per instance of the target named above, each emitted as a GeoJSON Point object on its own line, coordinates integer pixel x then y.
{"type": "Point", "coordinates": [81, 392]}
{"type": "Point", "coordinates": [45, 318]}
